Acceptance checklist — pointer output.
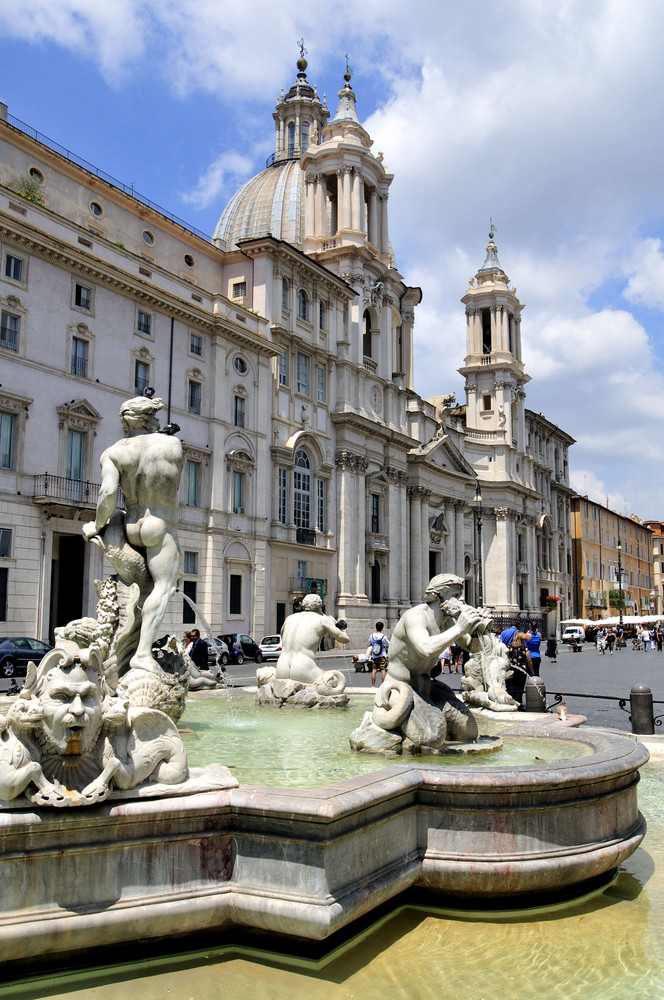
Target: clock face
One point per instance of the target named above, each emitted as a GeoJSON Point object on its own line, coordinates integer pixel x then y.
{"type": "Point", "coordinates": [375, 399]}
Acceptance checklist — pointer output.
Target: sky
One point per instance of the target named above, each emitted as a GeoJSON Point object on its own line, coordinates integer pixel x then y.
{"type": "Point", "coordinates": [544, 116]}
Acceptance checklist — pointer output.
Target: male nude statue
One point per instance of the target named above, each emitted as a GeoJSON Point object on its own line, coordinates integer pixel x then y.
{"type": "Point", "coordinates": [423, 632]}
{"type": "Point", "coordinates": [146, 466]}
{"type": "Point", "coordinates": [301, 635]}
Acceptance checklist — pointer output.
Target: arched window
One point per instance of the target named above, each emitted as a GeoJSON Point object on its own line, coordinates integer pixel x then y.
{"type": "Point", "coordinates": [291, 139]}
{"type": "Point", "coordinates": [305, 136]}
{"type": "Point", "coordinates": [366, 335]}
{"type": "Point", "coordinates": [302, 490]}
{"type": "Point", "coordinates": [302, 304]}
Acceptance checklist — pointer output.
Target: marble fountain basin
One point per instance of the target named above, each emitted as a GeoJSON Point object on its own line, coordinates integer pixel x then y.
{"type": "Point", "coordinates": [307, 862]}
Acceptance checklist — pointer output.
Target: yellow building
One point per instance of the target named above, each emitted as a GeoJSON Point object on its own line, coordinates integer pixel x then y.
{"type": "Point", "coordinates": [610, 551]}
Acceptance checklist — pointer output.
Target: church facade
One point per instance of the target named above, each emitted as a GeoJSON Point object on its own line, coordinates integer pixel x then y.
{"type": "Point", "coordinates": [283, 348]}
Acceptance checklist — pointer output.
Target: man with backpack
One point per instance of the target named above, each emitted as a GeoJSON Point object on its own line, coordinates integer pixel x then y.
{"type": "Point", "coordinates": [377, 651]}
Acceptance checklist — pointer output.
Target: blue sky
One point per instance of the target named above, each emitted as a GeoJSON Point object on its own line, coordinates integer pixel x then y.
{"type": "Point", "coordinates": [545, 115]}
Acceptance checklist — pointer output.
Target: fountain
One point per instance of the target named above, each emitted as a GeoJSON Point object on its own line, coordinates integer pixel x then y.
{"type": "Point", "coordinates": [146, 851]}
{"type": "Point", "coordinates": [296, 680]}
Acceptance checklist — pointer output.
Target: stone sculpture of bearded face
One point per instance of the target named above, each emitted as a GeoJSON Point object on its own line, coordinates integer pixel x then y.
{"type": "Point", "coordinates": [72, 707]}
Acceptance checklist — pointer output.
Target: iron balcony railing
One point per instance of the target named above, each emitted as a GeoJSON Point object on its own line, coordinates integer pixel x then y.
{"type": "Point", "coordinates": [305, 536]}
{"type": "Point", "coordinates": [9, 338]}
{"type": "Point", "coordinates": [71, 491]}
{"type": "Point", "coordinates": [79, 366]}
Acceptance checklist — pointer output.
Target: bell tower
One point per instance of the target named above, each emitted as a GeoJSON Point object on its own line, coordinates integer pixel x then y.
{"type": "Point", "coordinates": [299, 116]}
{"type": "Point", "coordinates": [493, 370]}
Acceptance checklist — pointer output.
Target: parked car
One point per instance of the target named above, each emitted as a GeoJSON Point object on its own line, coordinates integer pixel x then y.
{"type": "Point", "coordinates": [241, 647]}
{"type": "Point", "coordinates": [270, 647]}
{"type": "Point", "coordinates": [217, 652]}
{"type": "Point", "coordinates": [574, 634]}
{"type": "Point", "coordinates": [17, 651]}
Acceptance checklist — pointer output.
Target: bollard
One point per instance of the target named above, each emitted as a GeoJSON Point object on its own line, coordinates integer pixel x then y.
{"type": "Point", "coordinates": [640, 702]}
{"type": "Point", "coordinates": [535, 691]}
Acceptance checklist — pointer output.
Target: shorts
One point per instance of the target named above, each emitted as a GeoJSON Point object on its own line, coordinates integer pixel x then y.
{"type": "Point", "coordinates": [378, 663]}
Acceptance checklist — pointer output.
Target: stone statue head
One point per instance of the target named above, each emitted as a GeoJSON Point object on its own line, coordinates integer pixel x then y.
{"type": "Point", "coordinates": [443, 586]}
{"type": "Point", "coordinates": [72, 704]}
{"type": "Point", "coordinates": [312, 602]}
{"type": "Point", "coordinates": [140, 414]}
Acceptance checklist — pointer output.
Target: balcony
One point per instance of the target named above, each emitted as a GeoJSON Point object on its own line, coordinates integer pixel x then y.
{"type": "Point", "coordinates": [9, 338]}
{"type": "Point", "coordinates": [64, 495]}
{"type": "Point", "coordinates": [377, 540]}
{"type": "Point", "coordinates": [305, 536]}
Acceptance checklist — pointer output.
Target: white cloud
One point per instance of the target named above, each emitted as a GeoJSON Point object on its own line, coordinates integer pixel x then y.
{"type": "Point", "coordinates": [646, 270]}
{"type": "Point", "coordinates": [221, 176]}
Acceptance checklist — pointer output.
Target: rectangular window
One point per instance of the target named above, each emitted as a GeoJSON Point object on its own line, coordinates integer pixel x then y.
{"type": "Point", "coordinates": [13, 267]}
{"type": "Point", "coordinates": [301, 574]}
{"type": "Point", "coordinates": [283, 369]}
{"type": "Point", "coordinates": [82, 296]}
{"type": "Point", "coordinates": [195, 345]}
{"type": "Point", "coordinates": [375, 513]}
{"type": "Point", "coordinates": [321, 505]}
{"type": "Point", "coordinates": [188, 613]}
{"type": "Point", "coordinates": [7, 430]}
{"type": "Point", "coordinates": [9, 329]}
{"type": "Point", "coordinates": [322, 316]}
{"type": "Point", "coordinates": [486, 401]}
{"type": "Point", "coordinates": [237, 502]}
{"type": "Point", "coordinates": [283, 496]}
{"type": "Point", "coordinates": [144, 323]}
{"type": "Point", "coordinates": [79, 357]}
{"type": "Point", "coordinates": [284, 294]}
{"type": "Point", "coordinates": [235, 594]}
{"type": "Point", "coordinates": [239, 289]}
{"type": "Point", "coordinates": [194, 397]}
{"type": "Point", "coordinates": [5, 543]}
{"type": "Point", "coordinates": [303, 374]}
{"type": "Point", "coordinates": [238, 411]}
{"type": "Point", "coordinates": [4, 575]}
{"type": "Point", "coordinates": [193, 484]}
{"type": "Point", "coordinates": [75, 455]}
{"type": "Point", "coordinates": [141, 377]}
{"type": "Point", "coordinates": [190, 563]}
{"type": "Point", "coordinates": [321, 384]}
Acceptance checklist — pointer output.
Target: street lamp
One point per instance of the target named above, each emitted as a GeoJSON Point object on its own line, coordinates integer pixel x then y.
{"type": "Point", "coordinates": [478, 522]}
{"type": "Point", "coordinates": [620, 597]}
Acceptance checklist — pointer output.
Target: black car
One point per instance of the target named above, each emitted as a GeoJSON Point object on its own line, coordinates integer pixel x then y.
{"type": "Point", "coordinates": [241, 647]}
{"type": "Point", "coordinates": [17, 651]}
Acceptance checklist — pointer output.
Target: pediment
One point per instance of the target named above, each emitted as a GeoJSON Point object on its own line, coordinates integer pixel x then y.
{"type": "Point", "coordinates": [442, 452]}
{"type": "Point", "coordinates": [78, 411]}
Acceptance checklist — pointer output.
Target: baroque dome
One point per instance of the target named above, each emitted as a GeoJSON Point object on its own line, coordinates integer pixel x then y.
{"type": "Point", "coordinates": [271, 202]}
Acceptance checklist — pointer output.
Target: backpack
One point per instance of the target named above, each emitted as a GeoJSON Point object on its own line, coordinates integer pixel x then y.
{"type": "Point", "coordinates": [377, 646]}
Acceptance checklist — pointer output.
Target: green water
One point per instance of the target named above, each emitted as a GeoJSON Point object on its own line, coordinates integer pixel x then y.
{"type": "Point", "coordinates": [609, 946]}
{"type": "Point", "coordinates": [291, 748]}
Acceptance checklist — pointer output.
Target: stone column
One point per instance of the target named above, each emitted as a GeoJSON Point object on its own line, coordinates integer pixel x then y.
{"type": "Point", "coordinates": [384, 234]}
{"type": "Point", "coordinates": [501, 577]}
{"type": "Point", "coordinates": [360, 518]}
{"type": "Point", "coordinates": [415, 544]}
{"type": "Point", "coordinates": [321, 215]}
{"type": "Point", "coordinates": [310, 184]}
{"type": "Point", "coordinates": [373, 218]}
{"type": "Point", "coordinates": [344, 462]}
{"type": "Point", "coordinates": [459, 545]}
{"type": "Point", "coordinates": [424, 552]}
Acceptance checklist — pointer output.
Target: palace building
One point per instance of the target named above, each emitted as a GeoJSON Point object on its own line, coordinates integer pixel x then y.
{"type": "Point", "coordinates": [283, 349]}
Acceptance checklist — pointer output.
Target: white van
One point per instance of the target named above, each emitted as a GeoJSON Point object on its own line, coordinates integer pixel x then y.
{"type": "Point", "coordinates": [574, 633]}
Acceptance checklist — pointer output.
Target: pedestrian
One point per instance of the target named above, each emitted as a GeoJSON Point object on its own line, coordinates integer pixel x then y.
{"type": "Point", "coordinates": [198, 653]}
{"type": "Point", "coordinates": [611, 640]}
{"type": "Point", "coordinates": [447, 659]}
{"type": "Point", "coordinates": [600, 641]}
{"type": "Point", "coordinates": [533, 642]}
{"type": "Point", "coordinates": [377, 650]}
{"type": "Point", "coordinates": [551, 649]}
{"type": "Point", "coordinates": [659, 637]}
{"type": "Point", "coordinates": [521, 666]}
{"type": "Point", "coordinates": [645, 639]}
{"type": "Point", "coordinates": [457, 658]}
{"type": "Point", "coordinates": [507, 635]}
